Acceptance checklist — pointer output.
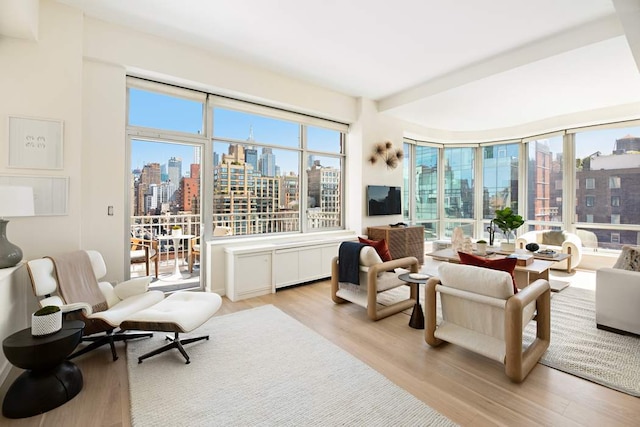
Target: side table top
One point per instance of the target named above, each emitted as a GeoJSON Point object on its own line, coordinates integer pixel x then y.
{"type": "Point", "coordinates": [24, 338]}
{"type": "Point", "coordinates": [407, 278]}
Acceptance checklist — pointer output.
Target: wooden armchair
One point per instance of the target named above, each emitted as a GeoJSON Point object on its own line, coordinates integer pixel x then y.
{"type": "Point", "coordinates": [375, 276]}
{"type": "Point", "coordinates": [195, 252]}
{"type": "Point", "coordinates": [144, 251]}
{"type": "Point", "coordinates": [481, 313]}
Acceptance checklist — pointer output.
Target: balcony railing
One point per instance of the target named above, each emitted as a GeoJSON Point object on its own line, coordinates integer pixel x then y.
{"type": "Point", "coordinates": [150, 226]}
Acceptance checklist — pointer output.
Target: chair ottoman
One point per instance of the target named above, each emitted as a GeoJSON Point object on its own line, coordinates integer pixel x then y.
{"type": "Point", "coordinates": [179, 312]}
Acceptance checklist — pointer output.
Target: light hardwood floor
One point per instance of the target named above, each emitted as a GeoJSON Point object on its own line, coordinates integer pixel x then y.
{"type": "Point", "coordinates": [466, 387]}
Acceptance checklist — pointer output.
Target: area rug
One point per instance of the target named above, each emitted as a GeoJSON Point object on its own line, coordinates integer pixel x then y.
{"type": "Point", "coordinates": [262, 367]}
{"type": "Point", "coordinates": [577, 347]}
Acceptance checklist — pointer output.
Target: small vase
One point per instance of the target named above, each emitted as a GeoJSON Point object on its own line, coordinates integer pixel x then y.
{"type": "Point", "coordinates": [47, 324]}
{"type": "Point", "coordinates": [176, 232]}
{"type": "Point", "coordinates": [481, 248]}
{"type": "Point", "coordinates": [507, 247]}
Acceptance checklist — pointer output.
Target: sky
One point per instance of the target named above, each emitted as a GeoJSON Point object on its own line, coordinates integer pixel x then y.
{"type": "Point", "coordinates": [166, 112]}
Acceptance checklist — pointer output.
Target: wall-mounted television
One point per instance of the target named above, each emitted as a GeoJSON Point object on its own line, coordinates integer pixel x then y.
{"type": "Point", "coordinates": [383, 200]}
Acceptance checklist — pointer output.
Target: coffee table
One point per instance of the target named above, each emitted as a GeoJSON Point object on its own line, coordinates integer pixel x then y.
{"type": "Point", "coordinates": [524, 275]}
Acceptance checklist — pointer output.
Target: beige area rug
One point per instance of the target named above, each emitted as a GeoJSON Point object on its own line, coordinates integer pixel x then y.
{"type": "Point", "coordinates": [577, 346]}
{"type": "Point", "coordinates": [262, 367]}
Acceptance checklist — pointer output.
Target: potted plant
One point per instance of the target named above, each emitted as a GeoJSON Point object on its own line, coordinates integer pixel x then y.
{"type": "Point", "coordinates": [176, 230]}
{"type": "Point", "coordinates": [481, 247]}
{"type": "Point", "coordinates": [507, 221]}
{"type": "Point", "coordinates": [46, 321]}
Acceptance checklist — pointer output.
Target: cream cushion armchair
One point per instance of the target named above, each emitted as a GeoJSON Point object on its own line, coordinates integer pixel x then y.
{"type": "Point", "coordinates": [375, 276]}
{"type": "Point", "coordinates": [481, 313]}
{"type": "Point", "coordinates": [560, 241]}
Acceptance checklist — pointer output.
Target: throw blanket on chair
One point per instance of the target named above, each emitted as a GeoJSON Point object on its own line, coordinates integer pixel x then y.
{"type": "Point", "coordinates": [349, 262]}
{"type": "Point", "coordinates": [76, 280]}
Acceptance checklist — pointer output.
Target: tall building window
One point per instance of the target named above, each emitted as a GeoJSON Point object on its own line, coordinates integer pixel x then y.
{"type": "Point", "coordinates": [614, 182]}
{"type": "Point", "coordinates": [590, 201]}
{"type": "Point", "coordinates": [590, 184]}
{"type": "Point", "coordinates": [615, 218]}
{"type": "Point", "coordinates": [615, 201]}
{"type": "Point", "coordinates": [544, 172]}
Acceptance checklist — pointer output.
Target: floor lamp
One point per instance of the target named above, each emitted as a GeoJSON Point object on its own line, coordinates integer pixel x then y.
{"type": "Point", "coordinates": [15, 201]}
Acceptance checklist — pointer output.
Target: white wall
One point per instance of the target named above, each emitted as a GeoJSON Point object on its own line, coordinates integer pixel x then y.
{"type": "Point", "coordinates": [43, 79]}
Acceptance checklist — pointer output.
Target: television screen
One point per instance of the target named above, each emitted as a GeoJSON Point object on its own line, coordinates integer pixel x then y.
{"type": "Point", "coordinates": [383, 200]}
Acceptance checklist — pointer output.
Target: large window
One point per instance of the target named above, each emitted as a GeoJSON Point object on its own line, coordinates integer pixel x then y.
{"type": "Point", "coordinates": [500, 165]}
{"type": "Point", "coordinates": [266, 170]}
{"type": "Point", "coordinates": [459, 175]}
{"type": "Point", "coordinates": [608, 161]}
{"type": "Point", "coordinates": [274, 175]}
{"type": "Point", "coordinates": [544, 181]}
{"type": "Point", "coordinates": [426, 184]}
{"type": "Point", "coordinates": [596, 194]}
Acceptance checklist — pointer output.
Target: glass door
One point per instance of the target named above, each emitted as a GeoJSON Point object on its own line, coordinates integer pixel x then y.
{"type": "Point", "coordinates": [165, 215]}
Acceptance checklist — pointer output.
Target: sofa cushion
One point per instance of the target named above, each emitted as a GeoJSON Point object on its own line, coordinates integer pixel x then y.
{"type": "Point", "coordinates": [380, 246]}
{"type": "Point", "coordinates": [553, 238]}
{"type": "Point", "coordinates": [502, 264]}
{"type": "Point", "coordinates": [629, 259]}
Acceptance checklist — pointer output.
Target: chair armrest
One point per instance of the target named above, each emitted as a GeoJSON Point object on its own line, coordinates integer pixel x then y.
{"type": "Point", "coordinates": [524, 239]}
{"type": "Point", "coordinates": [68, 308]}
{"type": "Point", "coordinates": [572, 241]}
{"type": "Point", "coordinates": [409, 262]}
{"type": "Point", "coordinates": [132, 287]}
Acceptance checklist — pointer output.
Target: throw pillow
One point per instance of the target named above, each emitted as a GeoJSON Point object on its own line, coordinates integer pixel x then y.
{"type": "Point", "coordinates": [629, 259]}
{"type": "Point", "coordinates": [553, 238]}
{"type": "Point", "coordinates": [502, 264]}
{"type": "Point", "coordinates": [380, 246]}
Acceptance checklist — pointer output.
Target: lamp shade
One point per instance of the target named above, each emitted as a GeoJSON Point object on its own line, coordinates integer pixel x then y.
{"type": "Point", "coordinates": [16, 201]}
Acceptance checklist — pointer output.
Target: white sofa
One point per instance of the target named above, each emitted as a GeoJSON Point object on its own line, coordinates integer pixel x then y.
{"type": "Point", "coordinates": [618, 300]}
{"type": "Point", "coordinates": [560, 241]}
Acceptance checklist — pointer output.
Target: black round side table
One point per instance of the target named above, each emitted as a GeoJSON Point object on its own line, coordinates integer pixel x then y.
{"type": "Point", "coordinates": [417, 316]}
{"type": "Point", "coordinates": [49, 380]}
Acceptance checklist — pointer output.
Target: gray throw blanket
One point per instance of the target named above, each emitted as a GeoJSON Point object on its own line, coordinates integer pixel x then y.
{"type": "Point", "coordinates": [76, 280]}
{"type": "Point", "coordinates": [349, 262]}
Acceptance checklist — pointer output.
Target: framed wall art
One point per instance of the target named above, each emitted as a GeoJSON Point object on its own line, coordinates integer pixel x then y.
{"type": "Point", "coordinates": [35, 143]}
{"type": "Point", "coordinates": [50, 193]}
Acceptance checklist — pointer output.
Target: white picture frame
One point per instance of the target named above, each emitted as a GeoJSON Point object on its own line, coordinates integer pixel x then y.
{"type": "Point", "coordinates": [50, 193]}
{"type": "Point", "coordinates": [35, 143]}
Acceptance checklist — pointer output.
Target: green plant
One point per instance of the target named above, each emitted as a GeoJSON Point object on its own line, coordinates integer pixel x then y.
{"type": "Point", "coordinates": [507, 221]}
{"type": "Point", "coordinates": [46, 310]}
{"type": "Point", "coordinates": [482, 241]}
{"type": "Point", "coordinates": [176, 227]}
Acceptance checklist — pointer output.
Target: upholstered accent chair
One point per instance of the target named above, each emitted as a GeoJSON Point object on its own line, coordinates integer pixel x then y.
{"type": "Point", "coordinates": [376, 276]}
{"type": "Point", "coordinates": [481, 313]}
{"type": "Point", "coordinates": [560, 241]}
{"type": "Point", "coordinates": [100, 305]}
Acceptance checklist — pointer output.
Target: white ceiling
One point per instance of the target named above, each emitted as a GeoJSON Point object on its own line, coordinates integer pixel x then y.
{"type": "Point", "coordinates": [460, 65]}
